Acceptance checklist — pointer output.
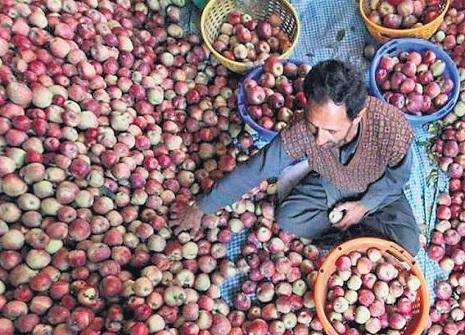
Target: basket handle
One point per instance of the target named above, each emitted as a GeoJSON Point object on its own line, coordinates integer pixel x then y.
{"type": "Point", "coordinates": [383, 37]}
{"type": "Point", "coordinates": [457, 84]}
{"type": "Point", "coordinates": [389, 47]}
{"type": "Point", "coordinates": [394, 252]}
{"type": "Point", "coordinates": [449, 106]}
{"type": "Point", "coordinates": [244, 114]}
{"type": "Point", "coordinates": [393, 258]}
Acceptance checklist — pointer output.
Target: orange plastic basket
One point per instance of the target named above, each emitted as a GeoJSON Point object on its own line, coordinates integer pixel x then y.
{"type": "Point", "coordinates": [382, 34]}
{"type": "Point", "coordinates": [216, 12]}
{"type": "Point", "coordinates": [418, 322]}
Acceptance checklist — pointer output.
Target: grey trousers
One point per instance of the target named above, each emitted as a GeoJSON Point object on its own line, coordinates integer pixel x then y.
{"type": "Point", "coordinates": [304, 212]}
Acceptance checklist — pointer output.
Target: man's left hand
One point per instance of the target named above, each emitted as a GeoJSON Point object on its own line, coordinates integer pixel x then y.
{"type": "Point", "coordinates": [354, 213]}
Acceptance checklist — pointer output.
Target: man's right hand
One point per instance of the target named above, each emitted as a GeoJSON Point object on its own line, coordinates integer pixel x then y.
{"type": "Point", "coordinates": [188, 217]}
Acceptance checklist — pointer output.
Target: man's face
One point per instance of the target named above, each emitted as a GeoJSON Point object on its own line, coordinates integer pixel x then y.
{"type": "Point", "coordinates": [330, 124]}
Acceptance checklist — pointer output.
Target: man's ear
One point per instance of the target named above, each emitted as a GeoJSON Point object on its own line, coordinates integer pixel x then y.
{"type": "Point", "coordinates": [360, 116]}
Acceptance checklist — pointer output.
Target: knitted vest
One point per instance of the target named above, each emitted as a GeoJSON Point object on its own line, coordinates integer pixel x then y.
{"type": "Point", "coordinates": [385, 139]}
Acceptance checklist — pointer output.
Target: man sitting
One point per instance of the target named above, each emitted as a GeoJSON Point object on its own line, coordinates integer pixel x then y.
{"type": "Point", "coordinates": [357, 151]}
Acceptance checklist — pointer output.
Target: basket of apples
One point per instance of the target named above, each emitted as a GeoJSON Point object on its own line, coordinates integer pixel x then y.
{"type": "Point", "coordinates": [270, 95]}
{"type": "Point", "coordinates": [241, 38]}
{"type": "Point", "coordinates": [417, 77]}
{"type": "Point", "coordinates": [388, 19]}
{"type": "Point", "coordinates": [371, 286]}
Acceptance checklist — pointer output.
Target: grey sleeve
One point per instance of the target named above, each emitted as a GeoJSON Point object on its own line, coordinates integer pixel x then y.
{"type": "Point", "coordinates": [390, 186]}
{"type": "Point", "coordinates": [267, 163]}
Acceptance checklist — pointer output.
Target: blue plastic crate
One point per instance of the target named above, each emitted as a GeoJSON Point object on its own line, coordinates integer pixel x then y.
{"type": "Point", "coordinates": [265, 134]}
{"type": "Point", "coordinates": [394, 48]}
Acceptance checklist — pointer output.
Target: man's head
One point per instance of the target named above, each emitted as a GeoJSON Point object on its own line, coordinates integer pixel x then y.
{"type": "Point", "coordinates": [336, 97]}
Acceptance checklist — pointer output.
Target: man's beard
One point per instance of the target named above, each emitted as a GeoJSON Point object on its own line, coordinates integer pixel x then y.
{"type": "Point", "coordinates": [336, 145]}
{"type": "Point", "coordinates": [339, 144]}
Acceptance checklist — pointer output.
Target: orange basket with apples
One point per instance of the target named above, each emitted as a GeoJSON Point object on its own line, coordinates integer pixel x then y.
{"type": "Point", "coordinates": [384, 34]}
{"type": "Point", "coordinates": [394, 253]}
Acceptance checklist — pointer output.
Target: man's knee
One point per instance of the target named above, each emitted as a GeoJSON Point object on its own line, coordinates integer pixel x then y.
{"type": "Point", "coordinates": [402, 226]}
{"type": "Point", "coordinates": [286, 220]}
{"type": "Point", "coordinates": [301, 223]}
{"type": "Point", "coordinates": [410, 240]}
{"type": "Point", "coordinates": [407, 235]}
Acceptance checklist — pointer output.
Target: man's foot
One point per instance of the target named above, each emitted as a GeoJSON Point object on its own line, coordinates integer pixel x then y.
{"type": "Point", "coordinates": [330, 238]}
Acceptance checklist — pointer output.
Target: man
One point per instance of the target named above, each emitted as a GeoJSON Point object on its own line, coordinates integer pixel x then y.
{"type": "Point", "coordinates": [357, 152]}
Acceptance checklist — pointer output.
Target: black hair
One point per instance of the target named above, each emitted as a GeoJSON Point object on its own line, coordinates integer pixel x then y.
{"type": "Point", "coordinates": [338, 81]}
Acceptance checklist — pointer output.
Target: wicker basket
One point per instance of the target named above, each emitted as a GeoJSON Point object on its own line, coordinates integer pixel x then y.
{"type": "Point", "coordinates": [382, 34]}
{"type": "Point", "coordinates": [417, 324]}
{"type": "Point", "coordinates": [216, 12]}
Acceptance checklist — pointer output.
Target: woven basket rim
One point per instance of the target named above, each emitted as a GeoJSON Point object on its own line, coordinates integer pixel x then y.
{"type": "Point", "coordinates": [382, 29]}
